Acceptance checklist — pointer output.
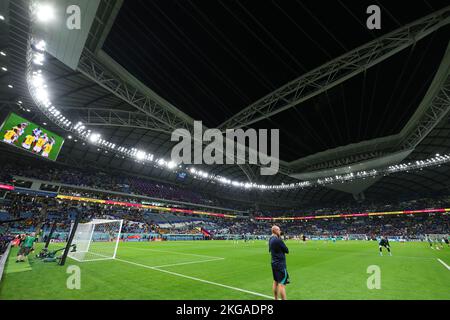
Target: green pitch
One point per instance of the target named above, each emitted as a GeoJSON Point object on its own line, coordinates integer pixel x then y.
{"type": "Point", "coordinates": [196, 270]}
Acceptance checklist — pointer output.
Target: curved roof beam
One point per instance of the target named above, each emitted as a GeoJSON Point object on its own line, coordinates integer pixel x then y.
{"type": "Point", "coordinates": [338, 70]}
{"type": "Point", "coordinates": [433, 109]}
{"type": "Point", "coordinates": [165, 115]}
{"type": "Point", "coordinates": [118, 118]}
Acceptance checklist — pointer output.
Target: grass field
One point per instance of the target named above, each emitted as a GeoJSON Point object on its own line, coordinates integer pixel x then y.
{"type": "Point", "coordinates": [224, 270]}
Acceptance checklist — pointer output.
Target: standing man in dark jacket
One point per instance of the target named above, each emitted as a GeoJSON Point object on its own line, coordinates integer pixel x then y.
{"type": "Point", "coordinates": [278, 249]}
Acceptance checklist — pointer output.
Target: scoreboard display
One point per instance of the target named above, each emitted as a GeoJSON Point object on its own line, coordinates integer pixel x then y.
{"type": "Point", "coordinates": [26, 135]}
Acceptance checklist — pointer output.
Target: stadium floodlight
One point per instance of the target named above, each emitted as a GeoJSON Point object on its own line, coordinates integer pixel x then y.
{"type": "Point", "coordinates": [171, 165]}
{"type": "Point", "coordinates": [38, 81]}
{"type": "Point", "coordinates": [41, 95]}
{"type": "Point", "coordinates": [39, 58]}
{"type": "Point", "coordinates": [40, 45]}
{"type": "Point", "coordinates": [45, 12]}
{"type": "Point", "coordinates": [140, 155]}
{"type": "Point", "coordinates": [94, 137]}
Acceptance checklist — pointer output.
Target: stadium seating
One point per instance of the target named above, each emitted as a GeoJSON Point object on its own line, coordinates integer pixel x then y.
{"type": "Point", "coordinates": [143, 221]}
{"type": "Point", "coordinates": [101, 180]}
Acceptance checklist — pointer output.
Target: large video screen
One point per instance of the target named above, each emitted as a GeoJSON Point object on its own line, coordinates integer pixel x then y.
{"type": "Point", "coordinates": [24, 134]}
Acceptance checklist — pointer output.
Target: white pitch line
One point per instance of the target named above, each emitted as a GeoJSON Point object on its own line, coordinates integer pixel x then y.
{"type": "Point", "coordinates": [445, 265]}
{"type": "Point", "coordinates": [198, 279]}
{"type": "Point", "coordinates": [189, 262]}
{"type": "Point", "coordinates": [175, 252]}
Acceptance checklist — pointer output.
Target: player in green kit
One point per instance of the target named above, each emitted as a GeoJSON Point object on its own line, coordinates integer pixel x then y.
{"type": "Point", "coordinates": [26, 247]}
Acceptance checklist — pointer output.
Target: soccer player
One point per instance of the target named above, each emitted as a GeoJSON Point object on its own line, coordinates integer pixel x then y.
{"type": "Point", "coordinates": [9, 136]}
{"type": "Point", "coordinates": [48, 147]}
{"type": "Point", "coordinates": [20, 129]}
{"type": "Point", "coordinates": [384, 242]}
{"type": "Point", "coordinates": [26, 247]}
{"type": "Point", "coordinates": [29, 139]}
{"type": "Point", "coordinates": [37, 132]}
{"type": "Point", "coordinates": [437, 244]}
{"type": "Point", "coordinates": [430, 241]}
{"type": "Point", "coordinates": [278, 250]}
{"type": "Point", "coordinates": [40, 143]}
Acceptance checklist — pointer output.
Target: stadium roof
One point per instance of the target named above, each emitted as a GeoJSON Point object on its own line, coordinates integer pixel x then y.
{"type": "Point", "coordinates": [212, 59]}
{"type": "Point", "coordinates": [209, 67]}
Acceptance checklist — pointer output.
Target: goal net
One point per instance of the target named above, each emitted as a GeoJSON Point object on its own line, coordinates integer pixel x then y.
{"type": "Point", "coordinates": [436, 237]}
{"type": "Point", "coordinates": [96, 240]}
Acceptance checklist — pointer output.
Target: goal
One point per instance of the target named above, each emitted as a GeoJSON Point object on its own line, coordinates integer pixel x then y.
{"type": "Point", "coordinates": [436, 237]}
{"type": "Point", "coordinates": [96, 240]}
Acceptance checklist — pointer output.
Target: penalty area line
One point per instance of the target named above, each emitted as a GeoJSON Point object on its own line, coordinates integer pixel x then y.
{"type": "Point", "coordinates": [189, 262]}
{"type": "Point", "coordinates": [197, 279]}
{"type": "Point", "coordinates": [445, 265]}
{"type": "Point", "coordinates": [175, 252]}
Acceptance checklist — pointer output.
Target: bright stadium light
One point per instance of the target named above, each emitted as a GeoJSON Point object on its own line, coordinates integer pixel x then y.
{"type": "Point", "coordinates": [40, 45]}
{"type": "Point", "coordinates": [94, 137]}
{"type": "Point", "coordinates": [45, 12]}
{"type": "Point", "coordinates": [37, 81]}
{"type": "Point", "coordinates": [140, 155]}
{"type": "Point", "coordinates": [171, 165]}
{"type": "Point", "coordinates": [39, 59]}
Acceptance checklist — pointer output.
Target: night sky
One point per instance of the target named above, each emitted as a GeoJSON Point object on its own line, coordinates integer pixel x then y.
{"type": "Point", "coordinates": [213, 58]}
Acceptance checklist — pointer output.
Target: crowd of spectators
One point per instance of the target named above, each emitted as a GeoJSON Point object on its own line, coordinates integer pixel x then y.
{"type": "Point", "coordinates": [406, 226]}
{"type": "Point", "coordinates": [29, 211]}
{"type": "Point", "coordinates": [101, 180]}
{"type": "Point", "coordinates": [145, 221]}
{"type": "Point", "coordinates": [42, 212]}
{"type": "Point", "coordinates": [363, 207]}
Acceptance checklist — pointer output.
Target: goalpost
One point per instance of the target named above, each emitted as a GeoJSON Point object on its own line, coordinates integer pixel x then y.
{"type": "Point", "coordinates": [437, 237]}
{"type": "Point", "coordinates": [96, 240]}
